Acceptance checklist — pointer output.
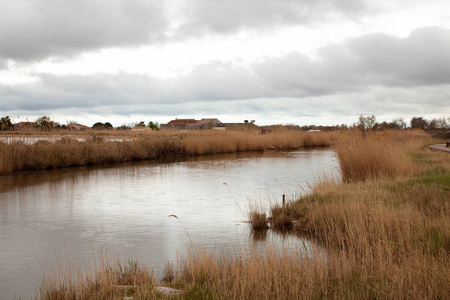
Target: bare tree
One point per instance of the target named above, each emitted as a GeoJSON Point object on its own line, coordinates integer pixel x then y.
{"type": "Point", "coordinates": [45, 123]}
{"type": "Point", "coordinates": [399, 123]}
{"type": "Point", "coordinates": [441, 123]}
{"type": "Point", "coordinates": [366, 123]}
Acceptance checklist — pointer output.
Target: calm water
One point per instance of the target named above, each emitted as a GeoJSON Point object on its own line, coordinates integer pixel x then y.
{"type": "Point", "coordinates": [127, 207]}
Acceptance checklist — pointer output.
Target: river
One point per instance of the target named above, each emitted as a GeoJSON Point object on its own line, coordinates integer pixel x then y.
{"type": "Point", "coordinates": [126, 208]}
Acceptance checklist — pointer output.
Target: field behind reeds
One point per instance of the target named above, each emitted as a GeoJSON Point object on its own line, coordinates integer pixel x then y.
{"type": "Point", "coordinates": [384, 229]}
{"type": "Point", "coordinates": [97, 148]}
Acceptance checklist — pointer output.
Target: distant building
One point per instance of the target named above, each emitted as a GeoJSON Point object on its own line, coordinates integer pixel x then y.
{"type": "Point", "coordinates": [191, 124]}
{"type": "Point", "coordinates": [178, 124]}
{"type": "Point", "coordinates": [205, 123]}
{"type": "Point", "coordinates": [208, 122]}
{"type": "Point", "coordinates": [77, 127]}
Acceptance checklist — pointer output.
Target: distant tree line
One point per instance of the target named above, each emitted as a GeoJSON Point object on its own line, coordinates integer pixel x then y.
{"type": "Point", "coordinates": [364, 123]}
{"type": "Point", "coordinates": [45, 123]}
{"type": "Point", "coordinates": [369, 122]}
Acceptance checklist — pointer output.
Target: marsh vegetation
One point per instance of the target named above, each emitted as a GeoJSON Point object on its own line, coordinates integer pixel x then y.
{"type": "Point", "coordinates": [385, 227]}
{"type": "Point", "coordinates": [51, 151]}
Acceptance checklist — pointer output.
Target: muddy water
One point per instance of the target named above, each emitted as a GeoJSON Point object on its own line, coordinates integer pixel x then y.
{"type": "Point", "coordinates": [76, 212]}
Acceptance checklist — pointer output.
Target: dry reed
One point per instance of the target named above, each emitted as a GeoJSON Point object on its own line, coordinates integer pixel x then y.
{"type": "Point", "coordinates": [257, 217]}
{"type": "Point", "coordinates": [289, 274]}
{"type": "Point", "coordinates": [375, 155]}
{"type": "Point", "coordinates": [387, 229]}
{"type": "Point", "coordinates": [102, 148]}
{"type": "Point", "coordinates": [386, 232]}
{"type": "Point", "coordinates": [102, 278]}
{"type": "Point", "coordinates": [280, 217]}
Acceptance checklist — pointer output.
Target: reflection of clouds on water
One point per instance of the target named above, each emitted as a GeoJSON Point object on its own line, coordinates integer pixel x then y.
{"type": "Point", "coordinates": [127, 207]}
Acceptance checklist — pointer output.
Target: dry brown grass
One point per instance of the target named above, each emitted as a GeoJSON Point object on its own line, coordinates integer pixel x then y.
{"type": "Point", "coordinates": [212, 142]}
{"type": "Point", "coordinates": [121, 146]}
{"type": "Point", "coordinates": [376, 155]}
{"type": "Point", "coordinates": [387, 230]}
{"type": "Point", "coordinates": [257, 217]}
{"type": "Point", "coordinates": [386, 235]}
{"type": "Point", "coordinates": [280, 218]}
{"type": "Point", "coordinates": [102, 278]}
{"type": "Point", "coordinates": [289, 274]}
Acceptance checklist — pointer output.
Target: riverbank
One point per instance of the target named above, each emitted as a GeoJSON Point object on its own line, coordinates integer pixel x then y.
{"type": "Point", "coordinates": [385, 228]}
{"type": "Point", "coordinates": [18, 154]}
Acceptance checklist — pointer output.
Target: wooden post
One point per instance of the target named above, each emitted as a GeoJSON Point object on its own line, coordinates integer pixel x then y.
{"type": "Point", "coordinates": [284, 200]}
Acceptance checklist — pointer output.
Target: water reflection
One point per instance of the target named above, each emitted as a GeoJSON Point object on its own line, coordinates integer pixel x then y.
{"type": "Point", "coordinates": [127, 207]}
{"type": "Point", "coordinates": [259, 235]}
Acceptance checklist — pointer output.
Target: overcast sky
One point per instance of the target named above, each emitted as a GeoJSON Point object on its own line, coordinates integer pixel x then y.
{"type": "Point", "coordinates": [275, 61]}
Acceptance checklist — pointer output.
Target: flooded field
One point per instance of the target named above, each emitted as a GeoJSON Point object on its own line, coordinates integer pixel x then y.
{"type": "Point", "coordinates": [126, 207]}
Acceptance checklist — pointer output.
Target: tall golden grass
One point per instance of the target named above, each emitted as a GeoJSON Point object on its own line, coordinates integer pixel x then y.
{"type": "Point", "coordinates": [103, 148]}
{"type": "Point", "coordinates": [387, 226]}
{"type": "Point", "coordinates": [104, 277]}
{"type": "Point", "coordinates": [374, 155]}
{"type": "Point", "coordinates": [289, 274]}
{"type": "Point", "coordinates": [385, 232]}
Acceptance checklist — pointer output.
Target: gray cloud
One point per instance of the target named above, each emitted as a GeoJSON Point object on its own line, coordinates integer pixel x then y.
{"type": "Point", "coordinates": [371, 74]}
{"type": "Point", "coordinates": [43, 28]}
{"type": "Point", "coordinates": [204, 16]}
{"type": "Point", "coordinates": [218, 81]}
{"type": "Point", "coordinates": [422, 58]}
{"type": "Point", "coordinates": [35, 30]}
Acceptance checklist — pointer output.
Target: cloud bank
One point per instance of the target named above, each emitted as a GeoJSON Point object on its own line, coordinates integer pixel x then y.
{"type": "Point", "coordinates": [33, 30]}
{"type": "Point", "coordinates": [419, 60]}
{"type": "Point", "coordinates": [377, 73]}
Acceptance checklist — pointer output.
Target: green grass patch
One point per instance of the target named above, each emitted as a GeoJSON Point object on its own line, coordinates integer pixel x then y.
{"type": "Point", "coordinates": [436, 177]}
{"type": "Point", "coordinates": [198, 291]}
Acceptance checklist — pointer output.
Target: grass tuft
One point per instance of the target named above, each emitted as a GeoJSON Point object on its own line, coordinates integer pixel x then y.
{"type": "Point", "coordinates": [257, 218]}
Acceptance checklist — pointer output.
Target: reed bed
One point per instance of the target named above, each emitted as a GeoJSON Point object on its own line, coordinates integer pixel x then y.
{"type": "Point", "coordinates": [385, 232]}
{"type": "Point", "coordinates": [104, 277]}
{"type": "Point", "coordinates": [289, 274]}
{"type": "Point", "coordinates": [105, 148]}
{"type": "Point", "coordinates": [375, 155]}
{"type": "Point", "coordinates": [386, 225]}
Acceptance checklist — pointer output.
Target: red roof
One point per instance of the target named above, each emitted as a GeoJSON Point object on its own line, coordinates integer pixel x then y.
{"type": "Point", "coordinates": [206, 121]}
{"type": "Point", "coordinates": [182, 121]}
